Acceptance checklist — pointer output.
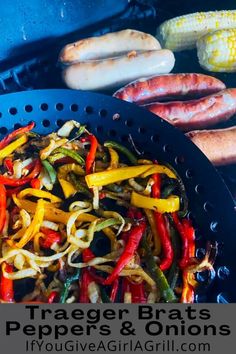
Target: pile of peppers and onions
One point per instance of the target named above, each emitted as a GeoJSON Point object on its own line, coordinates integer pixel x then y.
{"type": "Point", "coordinates": [87, 222]}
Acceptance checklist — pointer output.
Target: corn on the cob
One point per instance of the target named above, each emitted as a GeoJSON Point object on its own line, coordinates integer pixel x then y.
{"type": "Point", "coordinates": [217, 51]}
{"type": "Point", "coordinates": [181, 33]}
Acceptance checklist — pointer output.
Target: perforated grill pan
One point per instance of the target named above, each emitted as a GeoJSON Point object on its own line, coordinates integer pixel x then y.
{"type": "Point", "coordinates": [210, 204]}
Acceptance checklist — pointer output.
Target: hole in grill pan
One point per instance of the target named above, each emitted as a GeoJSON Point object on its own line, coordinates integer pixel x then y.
{"type": "Point", "coordinates": [44, 107]}
{"type": "Point", "coordinates": [59, 106]}
{"type": "Point", "coordinates": [3, 130]}
{"type": "Point", "coordinates": [74, 107]}
{"type": "Point", "coordinates": [13, 111]}
{"type": "Point", "coordinates": [28, 108]}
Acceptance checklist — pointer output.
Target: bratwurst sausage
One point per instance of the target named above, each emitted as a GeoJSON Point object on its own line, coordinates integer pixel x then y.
{"type": "Point", "coordinates": [108, 45]}
{"type": "Point", "coordinates": [110, 73]}
{"type": "Point", "coordinates": [164, 87]}
{"type": "Point", "coordinates": [218, 145]}
{"type": "Point", "coordinates": [197, 114]}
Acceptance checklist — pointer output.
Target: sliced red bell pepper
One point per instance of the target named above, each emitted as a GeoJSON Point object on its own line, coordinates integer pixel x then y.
{"type": "Point", "coordinates": [9, 165]}
{"type": "Point", "coordinates": [138, 293]}
{"type": "Point", "coordinates": [87, 255]}
{"type": "Point", "coordinates": [6, 285]}
{"type": "Point", "coordinates": [12, 191]}
{"type": "Point", "coordinates": [51, 237]}
{"type": "Point", "coordinates": [52, 297]}
{"type": "Point", "coordinates": [86, 277]}
{"type": "Point", "coordinates": [15, 182]}
{"type": "Point", "coordinates": [135, 236]}
{"type": "Point", "coordinates": [5, 141]}
{"type": "Point", "coordinates": [167, 249]}
{"type": "Point", "coordinates": [114, 290]}
{"type": "Point", "coordinates": [35, 183]}
{"type": "Point", "coordinates": [92, 152]}
{"type": "Point", "coordinates": [3, 206]}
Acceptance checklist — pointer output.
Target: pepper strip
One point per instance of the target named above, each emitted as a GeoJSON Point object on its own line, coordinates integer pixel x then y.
{"type": "Point", "coordinates": [60, 216]}
{"type": "Point", "coordinates": [8, 164]}
{"type": "Point", "coordinates": [3, 206]}
{"type": "Point", "coordinates": [50, 170]}
{"type": "Point", "coordinates": [138, 293]}
{"type": "Point", "coordinates": [114, 159]}
{"type": "Point", "coordinates": [103, 178]}
{"type": "Point", "coordinates": [130, 248]}
{"type": "Point", "coordinates": [6, 285]}
{"type": "Point", "coordinates": [188, 289]}
{"type": "Point", "coordinates": [13, 146]}
{"type": "Point", "coordinates": [130, 156]}
{"type": "Point", "coordinates": [5, 141]}
{"type": "Point", "coordinates": [86, 277]}
{"type": "Point", "coordinates": [152, 222]}
{"type": "Point", "coordinates": [92, 153]}
{"type": "Point", "coordinates": [160, 205]}
{"type": "Point", "coordinates": [39, 194]}
{"type": "Point", "coordinates": [158, 276]}
{"type": "Point", "coordinates": [73, 154]}
{"type": "Point", "coordinates": [184, 238]}
{"type": "Point", "coordinates": [51, 237]}
{"type": "Point", "coordinates": [168, 253]}
{"type": "Point", "coordinates": [52, 297]}
{"type": "Point", "coordinates": [15, 182]}
{"type": "Point", "coordinates": [34, 226]}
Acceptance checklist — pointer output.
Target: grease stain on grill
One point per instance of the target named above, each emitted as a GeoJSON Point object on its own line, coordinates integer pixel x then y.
{"type": "Point", "coordinates": [13, 111]}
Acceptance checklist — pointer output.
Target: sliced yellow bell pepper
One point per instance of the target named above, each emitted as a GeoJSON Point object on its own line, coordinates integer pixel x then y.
{"type": "Point", "coordinates": [168, 205]}
{"type": "Point", "coordinates": [114, 158]}
{"type": "Point", "coordinates": [13, 146]}
{"type": "Point", "coordinates": [60, 216]}
{"type": "Point", "coordinates": [67, 187]}
{"type": "Point", "coordinates": [40, 194]}
{"type": "Point", "coordinates": [70, 167]}
{"type": "Point", "coordinates": [34, 226]}
{"type": "Point", "coordinates": [120, 174]}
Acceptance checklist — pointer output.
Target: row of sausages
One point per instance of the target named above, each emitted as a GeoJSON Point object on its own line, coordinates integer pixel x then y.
{"type": "Point", "coordinates": [190, 101]}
